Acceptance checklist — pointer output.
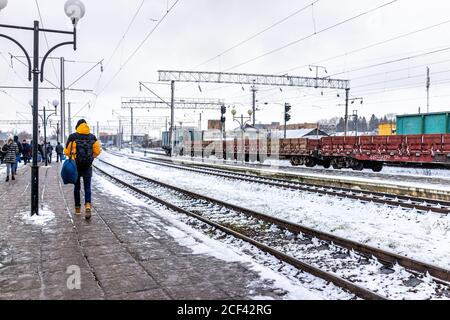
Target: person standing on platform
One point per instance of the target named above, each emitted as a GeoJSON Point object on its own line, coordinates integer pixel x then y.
{"type": "Point", "coordinates": [41, 152]}
{"type": "Point", "coordinates": [26, 150]}
{"type": "Point", "coordinates": [11, 150]}
{"type": "Point", "coordinates": [59, 152]}
{"type": "Point", "coordinates": [49, 152]}
{"type": "Point", "coordinates": [18, 160]}
{"type": "Point", "coordinates": [84, 148]}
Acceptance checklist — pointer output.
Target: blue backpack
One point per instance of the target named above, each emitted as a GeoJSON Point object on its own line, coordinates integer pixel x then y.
{"type": "Point", "coordinates": [69, 172]}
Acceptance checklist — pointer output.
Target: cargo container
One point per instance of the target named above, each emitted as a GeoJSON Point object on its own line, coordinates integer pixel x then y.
{"type": "Point", "coordinates": [387, 129]}
{"type": "Point", "coordinates": [430, 123]}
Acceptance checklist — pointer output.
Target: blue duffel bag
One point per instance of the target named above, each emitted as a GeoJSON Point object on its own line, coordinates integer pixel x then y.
{"type": "Point", "coordinates": [69, 172]}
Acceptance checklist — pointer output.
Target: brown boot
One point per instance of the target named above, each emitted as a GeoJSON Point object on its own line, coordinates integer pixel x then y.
{"type": "Point", "coordinates": [77, 210]}
{"type": "Point", "coordinates": [88, 209]}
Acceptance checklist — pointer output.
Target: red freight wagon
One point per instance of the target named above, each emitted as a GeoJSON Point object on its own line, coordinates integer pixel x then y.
{"type": "Point", "coordinates": [357, 153]}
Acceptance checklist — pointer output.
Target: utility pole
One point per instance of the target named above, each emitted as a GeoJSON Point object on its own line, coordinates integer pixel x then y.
{"type": "Point", "coordinates": [119, 135]}
{"type": "Point", "coordinates": [287, 117]}
{"type": "Point", "coordinates": [355, 119]}
{"type": "Point", "coordinates": [58, 132]}
{"type": "Point", "coordinates": [254, 90]}
{"type": "Point", "coordinates": [132, 131]}
{"type": "Point", "coordinates": [200, 122]}
{"type": "Point", "coordinates": [347, 96]}
{"type": "Point", "coordinates": [63, 101]}
{"type": "Point", "coordinates": [45, 138]}
{"type": "Point", "coordinates": [172, 118]}
{"type": "Point", "coordinates": [69, 117]}
{"type": "Point", "coordinates": [428, 89]}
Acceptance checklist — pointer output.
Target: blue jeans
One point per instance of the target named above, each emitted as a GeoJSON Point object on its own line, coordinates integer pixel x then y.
{"type": "Point", "coordinates": [10, 169]}
{"type": "Point", "coordinates": [16, 164]}
{"type": "Point", "coordinates": [87, 191]}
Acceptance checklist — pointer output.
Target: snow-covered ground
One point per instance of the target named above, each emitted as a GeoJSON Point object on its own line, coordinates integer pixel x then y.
{"type": "Point", "coordinates": [423, 236]}
{"type": "Point", "coordinates": [299, 286]}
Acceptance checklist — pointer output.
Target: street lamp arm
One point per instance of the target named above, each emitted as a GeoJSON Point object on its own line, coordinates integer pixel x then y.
{"type": "Point", "coordinates": [24, 51]}
{"type": "Point", "coordinates": [50, 51]}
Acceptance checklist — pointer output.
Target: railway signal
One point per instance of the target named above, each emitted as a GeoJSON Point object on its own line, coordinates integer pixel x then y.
{"type": "Point", "coordinates": [287, 117]}
{"type": "Point", "coordinates": [223, 111]}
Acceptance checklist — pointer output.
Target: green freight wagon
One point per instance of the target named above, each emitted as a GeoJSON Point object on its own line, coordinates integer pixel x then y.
{"type": "Point", "coordinates": [429, 123]}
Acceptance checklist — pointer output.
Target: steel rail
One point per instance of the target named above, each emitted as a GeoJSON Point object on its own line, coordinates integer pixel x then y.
{"type": "Point", "coordinates": [422, 204]}
{"type": "Point", "coordinates": [327, 276]}
{"type": "Point", "coordinates": [385, 257]}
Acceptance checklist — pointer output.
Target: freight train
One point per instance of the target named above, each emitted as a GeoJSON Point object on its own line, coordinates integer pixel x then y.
{"type": "Point", "coordinates": [357, 153]}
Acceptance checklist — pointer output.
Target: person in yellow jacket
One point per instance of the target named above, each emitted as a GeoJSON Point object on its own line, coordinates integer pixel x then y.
{"type": "Point", "coordinates": [83, 147]}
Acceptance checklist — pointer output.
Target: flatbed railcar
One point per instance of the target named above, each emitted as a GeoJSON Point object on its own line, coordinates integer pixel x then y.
{"type": "Point", "coordinates": [357, 153]}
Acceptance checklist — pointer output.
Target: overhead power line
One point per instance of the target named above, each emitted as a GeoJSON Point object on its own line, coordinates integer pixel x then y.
{"type": "Point", "coordinates": [138, 48]}
{"type": "Point", "coordinates": [373, 45]}
{"type": "Point", "coordinates": [256, 34]}
{"type": "Point", "coordinates": [393, 61]}
{"type": "Point", "coordinates": [312, 35]}
{"type": "Point", "coordinates": [125, 33]}
{"type": "Point", "coordinates": [45, 37]}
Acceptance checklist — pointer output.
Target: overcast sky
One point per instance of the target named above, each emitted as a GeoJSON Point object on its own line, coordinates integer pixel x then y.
{"type": "Point", "coordinates": [197, 30]}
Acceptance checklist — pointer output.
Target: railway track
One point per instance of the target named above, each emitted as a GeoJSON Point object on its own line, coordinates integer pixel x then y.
{"type": "Point", "coordinates": [345, 263]}
{"type": "Point", "coordinates": [407, 202]}
{"type": "Point", "coordinates": [433, 180]}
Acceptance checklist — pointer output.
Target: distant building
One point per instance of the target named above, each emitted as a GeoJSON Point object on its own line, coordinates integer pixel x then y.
{"type": "Point", "coordinates": [353, 134]}
{"type": "Point", "coordinates": [278, 126]}
{"type": "Point", "coordinates": [3, 138]}
{"type": "Point", "coordinates": [299, 133]}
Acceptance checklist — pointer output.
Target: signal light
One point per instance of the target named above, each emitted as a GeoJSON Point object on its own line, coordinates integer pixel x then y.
{"type": "Point", "coordinates": [287, 115]}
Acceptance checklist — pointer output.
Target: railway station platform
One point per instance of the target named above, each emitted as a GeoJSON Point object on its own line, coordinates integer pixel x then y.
{"type": "Point", "coordinates": [59, 255]}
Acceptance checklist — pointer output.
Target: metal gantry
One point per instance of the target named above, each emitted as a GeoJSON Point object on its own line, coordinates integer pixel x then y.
{"type": "Point", "coordinates": [253, 79]}
{"type": "Point", "coordinates": [154, 103]}
{"type": "Point", "coordinates": [133, 103]}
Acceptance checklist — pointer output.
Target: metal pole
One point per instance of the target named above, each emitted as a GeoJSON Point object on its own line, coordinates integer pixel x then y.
{"type": "Point", "coordinates": [69, 117]}
{"type": "Point", "coordinates": [347, 95]}
{"type": "Point", "coordinates": [57, 130]}
{"type": "Point", "coordinates": [119, 135]}
{"type": "Point", "coordinates": [254, 90]}
{"type": "Point", "coordinates": [63, 102]}
{"type": "Point", "coordinates": [243, 143]}
{"type": "Point", "coordinates": [172, 118]}
{"type": "Point", "coordinates": [35, 167]}
{"type": "Point", "coordinates": [200, 123]}
{"type": "Point", "coordinates": [45, 138]}
{"type": "Point", "coordinates": [98, 130]}
{"type": "Point", "coordinates": [132, 131]}
{"type": "Point", "coordinates": [428, 89]}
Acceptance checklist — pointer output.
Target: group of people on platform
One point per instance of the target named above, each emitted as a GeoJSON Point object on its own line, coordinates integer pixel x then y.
{"type": "Point", "coordinates": [14, 152]}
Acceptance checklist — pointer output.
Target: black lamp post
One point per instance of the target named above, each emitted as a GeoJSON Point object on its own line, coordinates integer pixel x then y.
{"type": "Point", "coordinates": [45, 119]}
{"type": "Point", "coordinates": [75, 10]}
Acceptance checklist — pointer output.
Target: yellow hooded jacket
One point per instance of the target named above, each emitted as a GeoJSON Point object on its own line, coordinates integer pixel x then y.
{"type": "Point", "coordinates": [71, 146]}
